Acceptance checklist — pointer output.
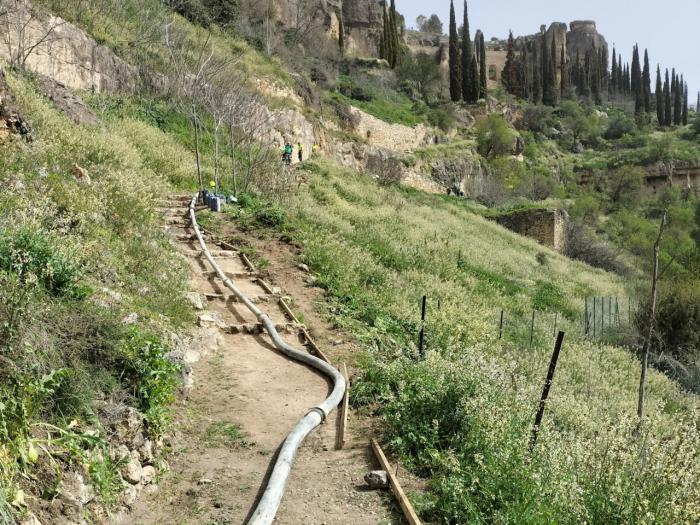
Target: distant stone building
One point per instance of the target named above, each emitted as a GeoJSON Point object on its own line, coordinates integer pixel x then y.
{"type": "Point", "coordinates": [546, 226]}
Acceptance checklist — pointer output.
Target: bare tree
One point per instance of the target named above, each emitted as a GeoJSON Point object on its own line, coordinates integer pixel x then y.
{"type": "Point", "coordinates": [25, 29]}
{"type": "Point", "coordinates": [249, 125]}
{"type": "Point", "coordinates": [656, 276]}
{"type": "Point", "coordinates": [307, 17]}
{"type": "Point", "coordinates": [195, 67]}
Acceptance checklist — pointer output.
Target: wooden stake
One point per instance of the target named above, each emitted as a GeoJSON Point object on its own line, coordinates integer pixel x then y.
{"type": "Point", "coordinates": [405, 504]}
{"type": "Point", "coordinates": [545, 390]}
{"type": "Point", "coordinates": [343, 415]}
{"type": "Point", "coordinates": [500, 329]}
{"type": "Point", "coordinates": [421, 339]}
{"type": "Point", "coordinates": [532, 328]}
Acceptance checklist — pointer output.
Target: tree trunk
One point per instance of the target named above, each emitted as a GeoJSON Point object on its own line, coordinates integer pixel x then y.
{"type": "Point", "coordinates": [195, 122]}
{"type": "Point", "coordinates": [216, 158]}
{"type": "Point", "coordinates": [233, 162]}
{"type": "Point", "coordinates": [652, 322]}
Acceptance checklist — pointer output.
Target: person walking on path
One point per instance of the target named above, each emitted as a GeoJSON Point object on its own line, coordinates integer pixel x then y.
{"type": "Point", "coordinates": [301, 152]}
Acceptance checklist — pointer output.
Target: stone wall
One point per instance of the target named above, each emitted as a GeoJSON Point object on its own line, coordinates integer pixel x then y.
{"type": "Point", "coordinates": [546, 226]}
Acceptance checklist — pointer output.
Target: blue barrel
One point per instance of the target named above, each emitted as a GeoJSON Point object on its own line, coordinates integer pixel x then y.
{"type": "Point", "coordinates": [215, 204]}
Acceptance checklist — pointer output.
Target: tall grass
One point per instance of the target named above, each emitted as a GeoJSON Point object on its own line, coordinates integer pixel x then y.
{"type": "Point", "coordinates": [462, 417]}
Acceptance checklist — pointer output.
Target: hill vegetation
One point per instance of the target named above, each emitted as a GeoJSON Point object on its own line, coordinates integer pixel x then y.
{"type": "Point", "coordinates": [91, 289]}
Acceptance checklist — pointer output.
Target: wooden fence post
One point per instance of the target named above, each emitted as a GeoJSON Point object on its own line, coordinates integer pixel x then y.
{"type": "Point", "coordinates": [545, 390]}
{"type": "Point", "coordinates": [421, 340]}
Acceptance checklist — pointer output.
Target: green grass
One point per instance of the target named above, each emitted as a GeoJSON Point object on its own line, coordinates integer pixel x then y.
{"type": "Point", "coordinates": [461, 419]}
{"type": "Point", "coordinates": [396, 109]}
{"type": "Point", "coordinates": [226, 434]}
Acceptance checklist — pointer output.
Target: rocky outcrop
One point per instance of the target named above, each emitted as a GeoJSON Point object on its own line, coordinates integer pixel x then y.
{"type": "Point", "coordinates": [63, 52]}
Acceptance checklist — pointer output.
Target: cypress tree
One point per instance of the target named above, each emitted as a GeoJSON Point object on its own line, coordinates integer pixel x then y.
{"type": "Point", "coordinates": [613, 73]}
{"type": "Point", "coordinates": [383, 51]}
{"type": "Point", "coordinates": [659, 98]}
{"type": "Point", "coordinates": [677, 103]}
{"type": "Point", "coordinates": [685, 104]}
{"type": "Point", "coordinates": [564, 72]}
{"type": "Point", "coordinates": [646, 83]}
{"type": "Point", "coordinates": [509, 76]}
{"type": "Point", "coordinates": [620, 75]}
{"type": "Point", "coordinates": [455, 73]}
{"type": "Point", "coordinates": [697, 104]}
{"type": "Point", "coordinates": [468, 80]}
{"type": "Point", "coordinates": [341, 32]}
{"type": "Point", "coordinates": [482, 66]}
{"type": "Point", "coordinates": [474, 84]}
{"type": "Point", "coordinates": [636, 81]}
{"type": "Point", "coordinates": [636, 74]}
{"type": "Point", "coordinates": [595, 77]}
{"type": "Point", "coordinates": [394, 44]}
{"type": "Point", "coordinates": [549, 96]}
{"type": "Point", "coordinates": [668, 108]}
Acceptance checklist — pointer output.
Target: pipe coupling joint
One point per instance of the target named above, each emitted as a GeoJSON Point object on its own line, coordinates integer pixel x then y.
{"type": "Point", "coordinates": [320, 412]}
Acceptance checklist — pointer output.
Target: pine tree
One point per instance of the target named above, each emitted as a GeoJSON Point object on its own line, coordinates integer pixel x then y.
{"type": "Point", "coordinates": [659, 98]}
{"type": "Point", "coordinates": [564, 72]}
{"type": "Point", "coordinates": [697, 104]}
{"type": "Point", "coordinates": [509, 76]}
{"type": "Point", "coordinates": [646, 83]}
{"type": "Point", "coordinates": [455, 72]}
{"type": "Point", "coordinates": [685, 104]}
{"type": "Point", "coordinates": [467, 54]}
{"type": "Point", "coordinates": [482, 66]}
{"type": "Point", "coordinates": [668, 107]}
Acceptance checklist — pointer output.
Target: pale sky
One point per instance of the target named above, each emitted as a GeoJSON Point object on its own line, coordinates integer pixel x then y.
{"type": "Point", "coordinates": [671, 37]}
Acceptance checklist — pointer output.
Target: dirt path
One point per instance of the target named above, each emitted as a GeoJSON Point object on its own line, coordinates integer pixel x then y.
{"type": "Point", "coordinates": [246, 398]}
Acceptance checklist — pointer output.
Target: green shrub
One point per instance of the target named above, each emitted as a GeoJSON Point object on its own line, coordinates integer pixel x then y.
{"type": "Point", "coordinates": [151, 377]}
{"type": "Point", "coordinates": [494, 137]}
{"type": "Point", "coordinates": [620, 125]}
{"type": "Point", "coordinates": [33, 254]}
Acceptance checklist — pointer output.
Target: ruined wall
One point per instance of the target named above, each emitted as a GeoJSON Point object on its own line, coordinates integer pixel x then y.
{"type": "Point", "coordinates": [582, 36]}
{"type": "Point", "coordinates": [546, 226]}
{"type": "Point", "coordinates": [676, 174]}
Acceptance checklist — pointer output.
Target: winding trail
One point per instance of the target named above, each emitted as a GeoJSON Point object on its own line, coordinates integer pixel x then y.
{"type": "Point", "coordinates": [245, 399]}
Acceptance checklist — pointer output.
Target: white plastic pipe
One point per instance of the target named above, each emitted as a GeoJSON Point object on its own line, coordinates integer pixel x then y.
{"type": "Point", "coordinates": [272, 497]}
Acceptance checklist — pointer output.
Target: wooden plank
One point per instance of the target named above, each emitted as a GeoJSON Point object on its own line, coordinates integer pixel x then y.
{"type": "Point", "coordinates": [343, 415]}
{"type": "Point", "coordinates": [288, 311]}
{"type": "Point", "coordinates": [265, 286]}
{"type": "Point", "coordinates": [406, 506]}
{"type": "Point", "coordinates": [314, 347]}
{"type": "Point", "coordinates": [247, 262]}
